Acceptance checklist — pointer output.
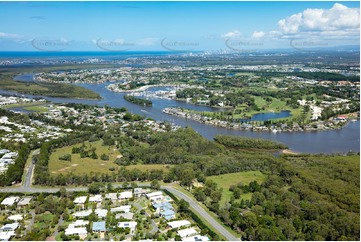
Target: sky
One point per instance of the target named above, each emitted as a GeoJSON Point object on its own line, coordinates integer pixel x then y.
{"type": "Point", "coordinates": [176, 26]}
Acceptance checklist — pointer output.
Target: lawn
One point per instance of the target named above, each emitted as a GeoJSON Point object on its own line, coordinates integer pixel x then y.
{"type": "Point", "coordinates": [260, 102]}
{"type": "Point", "coordinates": [44, 220]}
{"type": "Point", "coordinates": [148, 167]}
{"type": "Point", "coordinates": [86, 165]}
{"type": "Point", "coordinates": [226, 180]}
{"type": "Point", "coordinates": [15, 105]}
{"type": "Point", "coordinates": [37, 108]}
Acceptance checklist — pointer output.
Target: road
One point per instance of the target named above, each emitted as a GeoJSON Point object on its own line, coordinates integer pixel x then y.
{"type": "Point", "coordinates": [153, 224]}
{"type": "Point", "coordinates": [203, 213]}
{"type": "Point", "coordinates": [31, 223]}
{"type": "Point", "coordinates": [29, 173]}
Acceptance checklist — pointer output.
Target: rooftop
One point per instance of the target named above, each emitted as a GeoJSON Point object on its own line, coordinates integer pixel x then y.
{"type": "Point", "coordinates": [131, 224]}
{"type": "Point", "coordinates": [179, 223]}
{"type": "Point", "coordinates": [9, 201]}
{"type": "Point", "coordinates": [80, 200]}
{"type": "Point", "coordinates": [187, 232]}
{"type": "Point", "coordinates": [99, 226]}
{"type": "Point", "coordinates": [24, 201]}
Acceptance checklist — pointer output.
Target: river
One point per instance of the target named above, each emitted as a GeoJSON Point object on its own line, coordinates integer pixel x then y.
{"type": "Point", "coordinates": [328, 141]}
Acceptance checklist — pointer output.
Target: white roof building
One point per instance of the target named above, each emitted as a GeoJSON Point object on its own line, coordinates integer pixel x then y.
{"type": "Point", "coordinates": [80, 200]}
{"type": "Point", "coordinates": [4, 151]}
{"type": "Point", "coordinates": [9, 227]}
{"type": "Point", "coordinates": [78, 223]}
{"type": "Point", "coordinates": [9, 201]}
{"type": "Point", "coordinates": [156, 198]}
{"type": "Point", "coordinates": [111, 196]}
{"type": "Point", "coordinates": [96, 198]}
{"type": "Point", "coordinates": [153, 194]}
{"type": "Point", "coordinates": [125, 195]}
{"type": "Point", "coordinates": [83, 213]}
{"type": "Point", "coordinates": [179, 223]}
{"type": "Point", "coordinates": [24, 201]}
{"type": "Point", "coordinates": [16, 217]}
{"type": "Point", "coordinates": [196, 238]}
{"type": "Point", "coordinates": [101, 212]}
{"type": "Point", "coordinates": [78, 227]}
{"type": "Point", "coordinates": [10, 155]}
{"type": "Point", "coordinates": [187, 232]}
{"type": "Point", "coordinates": [125, 209]}
{"type": "Point", "coordinates": [132, 225]}
{"type": "Point", "coordinates": [125, 215]}
{"type": "Point", "coordinates": [78, 231]}
{"type": "Point", "coordinates": [5, 236]}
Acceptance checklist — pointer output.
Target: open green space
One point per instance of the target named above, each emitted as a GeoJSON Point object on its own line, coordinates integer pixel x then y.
{"type": "Point", "coordinates": [148, 167]}
{"type": "Point", "coordinates": [16, 105]}
{"type": "Point", "coordinates": [48, 89]}
{"type": "Point", "coordinates": [226, 180]}
{"type": "Point", "coordinates": [86, 165]}
{"type": "Point", "coordinates": [37, 108]}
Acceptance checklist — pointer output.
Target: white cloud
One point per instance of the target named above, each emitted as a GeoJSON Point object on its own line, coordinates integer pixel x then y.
{"type": "Point", "coordinates": [7, 35]}
{"type": "Point", "coordinates": [258, 34]}
{"type": "Point", "coordinates": [336, 21]}
{"type": "Point", "coordinates": [231, 34]}
{"type": "Point", "coordinates": [147, 41]}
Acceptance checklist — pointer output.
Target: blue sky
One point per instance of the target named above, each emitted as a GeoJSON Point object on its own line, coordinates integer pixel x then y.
{"type": "Point", "coordinates": [120, 26]}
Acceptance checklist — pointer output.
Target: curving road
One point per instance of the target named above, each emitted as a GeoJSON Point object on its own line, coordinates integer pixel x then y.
{"type": "Point", "coordinates": [202, 212]}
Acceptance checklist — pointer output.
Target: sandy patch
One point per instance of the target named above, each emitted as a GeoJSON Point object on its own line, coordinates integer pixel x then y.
{"type": "Point", "coordinates": [289, 152]}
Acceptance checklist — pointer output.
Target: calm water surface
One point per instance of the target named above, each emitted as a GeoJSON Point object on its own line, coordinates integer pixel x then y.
{"type": "Point", "coordinates": [330, 141]}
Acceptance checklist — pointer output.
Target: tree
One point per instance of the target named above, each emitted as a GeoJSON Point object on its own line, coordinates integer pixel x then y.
{"type": "Point", "coordinates": [183, 205]}
{"type": "Point", "coordinates": [155, 184]}
{"type": "Point", "coordinates": [63, 192]}
{"type": "Point", "coordinates": [199, 194]}
{"type": "Point", "coordinates": [109, 187]}
{"type": "Point", "coordinates": [216, 196]}
{"type": "Point", "coordinates": [95, 187]}
{"type": "Point", "coordinates": [104, 157]}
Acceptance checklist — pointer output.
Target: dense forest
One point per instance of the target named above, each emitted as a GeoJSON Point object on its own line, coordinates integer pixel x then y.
{"type": "Point", "coordinates": [304, 198]}
{"type": "Point", "coordinates": [138, 100]}
{"type": "Point", "coordinates": [247, 143]}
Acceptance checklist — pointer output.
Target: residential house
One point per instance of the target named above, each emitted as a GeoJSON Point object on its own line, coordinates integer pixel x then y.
{"type": "Point", "coordinates": [178, 224]}
{"type": "Point", "coordinates": [99, 227]}
{"type": "Point", "coordinates": [9, 201]}
{"type": "Point", "coordinates": [132, 225]}
{"type": "Point", "coordinates": [187, 232]}
{"type": "Point", "coordinates": [124, 209]}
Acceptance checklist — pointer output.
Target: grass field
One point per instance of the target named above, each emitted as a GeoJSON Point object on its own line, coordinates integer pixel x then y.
{"type": "Point", "coordinates": [16, 105]}
{"type": "Point", "coordinates": [260, 102]}
{"type": "Point", "coordinates": [226, 180]}
{"type": "Point", "coordinates": [86, 165]}
{"type": "Point", "coordinates": [48, 89]}
{"type": "Point", "coordinates": [37, 108]}
{"type": "Point", "coordinates": [148, 167]}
